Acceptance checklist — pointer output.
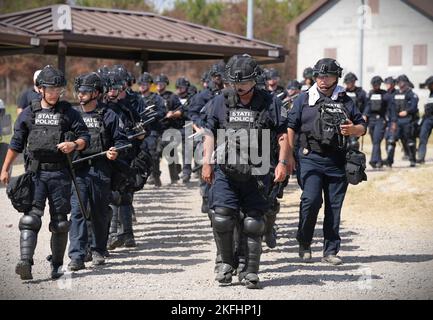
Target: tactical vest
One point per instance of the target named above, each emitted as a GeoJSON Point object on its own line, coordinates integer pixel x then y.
{"type": "Point", "coordinates": [99, 138]}
{"type": "Point", "coordinates": [323, 135]}
{"type": "Point", "coordinates": [47, 131]}
{"type": "Point", "coordinates": [239, 123]}
{"type": "Point", "coordinates": [377, 104]}
{"type": "Point", "coordinates": [400, 102]}
{"type": "Point", "coordinates": [428, 108]}
{"type": "Point", "coordinates": [356, 101]}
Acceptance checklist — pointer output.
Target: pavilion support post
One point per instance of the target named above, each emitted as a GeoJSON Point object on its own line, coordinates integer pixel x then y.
{"type": "Point", "coordinates": [144, 58]}
{"type": "Point", "coordinates": [61, 57]}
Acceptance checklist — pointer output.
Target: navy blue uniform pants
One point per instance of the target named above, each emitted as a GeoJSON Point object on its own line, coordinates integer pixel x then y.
{"type": "Point", "coordinates": [376, 128]}
{"type": "Point", "coordinates": [426, 129]}
{"type": "Point", "coordinates": [318, 174]}
{"type": "Point", "coordinates": [94, 185]}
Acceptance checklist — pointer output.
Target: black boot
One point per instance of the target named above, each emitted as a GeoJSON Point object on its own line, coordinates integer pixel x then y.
{"type": "Point", "coordinates": [58, 247]}
{"type": "Point", "coordinates": [113, 238]}
{"type": "Point", "coordinates": [125, 217]}
{"type": "Point", "coordinates": [270, 235]}
{"type": "Point", "coordinates": [29, 226]}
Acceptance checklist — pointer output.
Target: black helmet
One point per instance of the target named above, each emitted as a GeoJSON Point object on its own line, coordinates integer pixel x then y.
{"type": "Point", "coordinates": [122, 72]}
{"type": "Point", "coordinates": [205, 76]}
{"type": "Point", "coordinates": [271, 73]}
{"type": "Point", "coordinates": [217, 69]}
{"type": "Point", "coordinates": [50, 77]}
{"type": "Point", "coordinates": [429, 81]}
{"type": "Point", "coordinates": [308, 73]}
{"type": "Point", "coordinates": [389, 80]}
{"type": "Point", "coordinates": [182, 82]}
{"type": "Point", "coordinates": [241, 68]}
{"type": "Point", "coordinates": [294, 84]}
{"type": "Point", "coordinates": [146, 77]}
{"type": "Point", "coordinates": [350, 77]}
{"type": "Point", "coordinates": [376, 80]}
{"type": "Point", "coordinates": [115, 81]}
{"type": "Point", "coordinates": [88, 82]}
{"type": "Point", "coordinates": [162, 78]}
{"type": "Point", "coordinates": [403, 78]}
{"type": "Point", "coordinates": [327, 66]}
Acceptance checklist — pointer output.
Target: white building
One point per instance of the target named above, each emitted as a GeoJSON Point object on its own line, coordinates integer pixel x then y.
{"type": "Point", "coordinates": [397, 38]}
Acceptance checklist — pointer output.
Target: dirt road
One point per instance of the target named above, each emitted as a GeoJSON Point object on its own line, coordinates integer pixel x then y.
{"type": "Point", "coordinates": [387, 247]}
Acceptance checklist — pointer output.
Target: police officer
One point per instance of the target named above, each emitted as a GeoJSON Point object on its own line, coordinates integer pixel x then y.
{"type": "Point", "coordinates": [406, 103]}
{"type": "Point", "coordinates": [154, 107]}
{"type": "Point", "coordinates": [379, 110]}
{"type": "Point", "coordinates": [324, 117]}
{"type": "Point", "coordinates": [427, 123]}
{"type": "Point", "coordinates": [359, 97]}
{"type": "Point", "coordinates": [173, 120]}
{"type": "Point", "coordinates": [185, 95]}
{"type": "Point", "coordinates": [196, 114]}
{"type": "Point", "coordinates": [308, 80]}
{"type": "Point", "coordinates": [122, 199]}
{"type": "Point", "coordinates": [93, 176]}
{"type": "Point", "coordinates": [357, 94]}
{"type": "Point", "coordinates": [235, 187]}
{"type": "Point", "coordinates": [272, 78]}
{"type": "Point", "coordinates": [26, 97]}
{"type": "Point", "coordinates": [293, 89]}
{"type": "Point", "coordinates": [391, 128]}
{"type": "Point", "coordinates": [43, 127]}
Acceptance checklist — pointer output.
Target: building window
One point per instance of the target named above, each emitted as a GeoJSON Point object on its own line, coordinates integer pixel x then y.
{"type": "Point", "coordinates": [420, 55]}
{"type": "Point", "coordinates": [395, 56]}
{"type": "Point", "coordinates": [330, 53]}
{"type": "Point", "coordinates": [374, 6]}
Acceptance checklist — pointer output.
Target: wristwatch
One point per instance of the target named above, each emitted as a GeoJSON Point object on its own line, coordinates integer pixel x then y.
{"type": "Point", "coordinates": [283, 161]}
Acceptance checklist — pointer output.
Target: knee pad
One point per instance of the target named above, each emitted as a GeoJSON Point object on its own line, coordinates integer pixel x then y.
{"type": "Point", "coordinates": [223, 220]}
{"type": "Point", "coordinates": [59, 224]}
{"type": "Point", "coordinates": [254, 226]}
{"type": "Point", "coordinates": [30, 222]}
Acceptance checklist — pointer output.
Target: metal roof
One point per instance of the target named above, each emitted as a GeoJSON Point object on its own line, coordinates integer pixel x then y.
{"type": "Point", "coordinates": [133, 35]}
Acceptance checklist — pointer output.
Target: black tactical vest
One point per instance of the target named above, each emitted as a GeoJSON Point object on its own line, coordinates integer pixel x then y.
{"type": "Point", "coordinates": [428, 108]}
{"type": "Point", "coordinates": [239, 124]}
{"type": "Point", "coordinates": [99, 138]}
{"type": "Point", "coordinates": [48, 128]}
{"type": "Point", "coordinates": [400, 102]}
{"type": "Point", "coordinates": [377, 104]}
{"type": "Point", "coordinates": [323, 134]}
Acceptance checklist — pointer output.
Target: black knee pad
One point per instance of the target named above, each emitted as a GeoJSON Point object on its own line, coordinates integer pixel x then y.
{"type": "Point", "coordinates": [30, 221]}
{"type": "Point", "coordinates": [59, 223]}
{"type": "Point", "coordinates": [254, 224]}
{"type": "Point", "coordinates": [223, 220]}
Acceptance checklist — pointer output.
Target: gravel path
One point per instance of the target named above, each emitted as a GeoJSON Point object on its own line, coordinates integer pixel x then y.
{"type": "Point", "coordinates": [387, 254]}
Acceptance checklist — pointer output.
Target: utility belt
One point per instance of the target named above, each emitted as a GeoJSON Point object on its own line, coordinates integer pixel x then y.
{"type": "Point", "coordinates": [355, 161]}
{"type": "Point", "coordinates": [311, 144]}
{"type": "Point", "coordinates": [36, 165]}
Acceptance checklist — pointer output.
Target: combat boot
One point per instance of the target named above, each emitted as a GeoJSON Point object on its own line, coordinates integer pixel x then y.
{"type": "Point", "coordinates": [305, 252]}
{"type": "Point", "coordinates": [24, 269]}
{"type": "Point", "coordinates": [224, 275]}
